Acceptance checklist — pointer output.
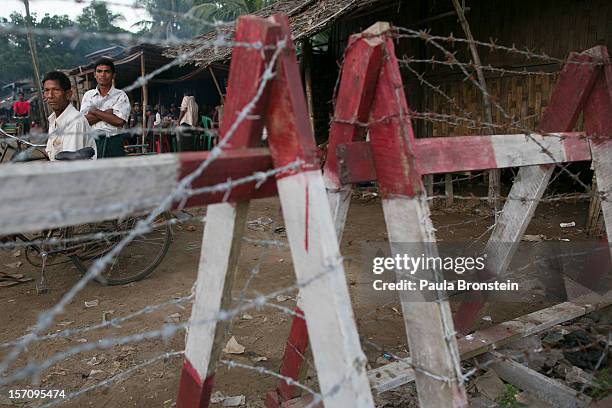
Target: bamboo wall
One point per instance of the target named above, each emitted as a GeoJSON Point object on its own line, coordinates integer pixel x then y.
{"type": "Point", "coordinates": [553, 27]}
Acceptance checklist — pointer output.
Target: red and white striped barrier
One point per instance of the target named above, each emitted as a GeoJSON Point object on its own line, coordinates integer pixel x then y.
{"type": "Point", "coordinates": [370, 91]}
{"type": "Point", "coordinates": [325, 300]}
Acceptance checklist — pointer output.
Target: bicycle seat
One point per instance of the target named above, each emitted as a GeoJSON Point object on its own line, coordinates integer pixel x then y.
{"type": "Point", "coordinates": [85, 153]}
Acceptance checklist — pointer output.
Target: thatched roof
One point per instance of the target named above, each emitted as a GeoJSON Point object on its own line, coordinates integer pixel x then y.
{"type": "Point", "coordinates": [306, 18]}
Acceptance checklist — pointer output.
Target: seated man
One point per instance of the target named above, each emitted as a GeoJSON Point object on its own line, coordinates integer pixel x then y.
{"type": "Point", "coordinates": [68, 128]}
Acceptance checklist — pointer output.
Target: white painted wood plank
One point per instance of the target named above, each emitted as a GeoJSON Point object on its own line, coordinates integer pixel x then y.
{"type": "Point", "coordinates": [429, 324]}
{"type": "Point", "coordinates": [42, 195]}
{"type": "Point", "coordinates": [338, 357]}
{"type": "Point", "coordinates": [521, 150]}
{"type": "Point", "coordinates": [602, 163]}
{"type": "Point", "coordinates": [339, 198]}
{"type": "Point", "coordinates": [218, 259]}
{"type": "Point", "coordinates": [530, 184]}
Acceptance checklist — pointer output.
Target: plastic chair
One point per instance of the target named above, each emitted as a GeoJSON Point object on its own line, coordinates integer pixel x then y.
{"type": "Point", "coordinates": [207, 139]}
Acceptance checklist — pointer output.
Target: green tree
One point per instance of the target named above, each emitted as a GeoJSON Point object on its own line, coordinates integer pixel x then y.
{"type": "Point", "coordinates": [227, 10]}
{"type": "Point", "coordinates": [54, 51]}
{"type": "Point", "coordinates": [98, 18]}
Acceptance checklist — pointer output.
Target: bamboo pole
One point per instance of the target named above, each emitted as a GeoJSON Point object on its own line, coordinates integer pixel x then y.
{"type": "Point", "coordinates": [307, 49]}
{"type": "Point", "coordinates": [214, 78]}
{"type": "Point", "coordinates": [145, 99]}
{"type": "Point", "coordinates": [42, 109]}
{"type": "Point", "coordinates": [494, 175]}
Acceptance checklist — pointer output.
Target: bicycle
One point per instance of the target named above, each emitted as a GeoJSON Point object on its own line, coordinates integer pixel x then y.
{"type": "Point", "coordinates": [82, 245]}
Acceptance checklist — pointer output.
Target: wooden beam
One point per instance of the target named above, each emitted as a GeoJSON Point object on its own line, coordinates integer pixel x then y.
{"type": "Point", "coordinates": [540, 386]}
{"type": "Point", "coordinates": [88, 191]}
{"type": "Point", "coordinates": [597, 124]}
{"type": "Point", "coordinates": [315, 251]}
{"type": "Point", "coordinates": [214, 78]}
{"type": "Point", "coordinates": [223, 231]}
{"type": "Point", "coordinates": [355, 93]}
{"type": "Point", "coordinates": [428, 321]}
{"type": "Point", "coordinates": [438, 155]}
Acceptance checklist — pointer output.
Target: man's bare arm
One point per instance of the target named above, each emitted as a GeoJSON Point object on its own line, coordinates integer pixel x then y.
{"type": "Point", "coordinates": [91, 118]}
{"type": "Point", "coordinates": [107, 116]}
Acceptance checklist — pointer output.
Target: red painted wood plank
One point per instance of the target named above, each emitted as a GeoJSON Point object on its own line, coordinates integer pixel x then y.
{"type": "Point", "coordinates": [232, 164]}
{"type": "Point", "coordinates": [358, 80]}
{"type": "Point", "coordinates": [193, 392]}
{"type": "Point", "coordinates": [598, 110]}
{"type": "Point", "coordinates": [391, 135]}
{"type": "Point", "coordinates": [293, 359]}
{"type": "Point", "coordinates": [246, 71]}
{"type": "Point", "coordinates": [452, 154]}
{"type": "Point", "coordinates": [290, 135]}
{"type": "Point", "coordinates": [355, 163]}
{"type": "Point", "coordinates": [445, 155]}
{"type": "Point", "coordinates": [244, 83]}
{"type": "Point", "coordinates": [570, 93]}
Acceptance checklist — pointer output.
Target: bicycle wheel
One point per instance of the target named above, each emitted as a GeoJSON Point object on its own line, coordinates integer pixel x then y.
{"type": "Point", "coordinates": [135, 261]}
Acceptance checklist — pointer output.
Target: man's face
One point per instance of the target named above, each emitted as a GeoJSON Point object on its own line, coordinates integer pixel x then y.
{"type": "Point", "coordinates": [104, 75]}
{"type": "Point", "coordinates": [20, 97]}
{"type": "Point", "coordinates": [55, 96]}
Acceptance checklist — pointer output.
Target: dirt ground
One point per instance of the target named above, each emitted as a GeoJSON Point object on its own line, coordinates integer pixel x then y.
{"type": "Point", "coordinates": [263, 336]}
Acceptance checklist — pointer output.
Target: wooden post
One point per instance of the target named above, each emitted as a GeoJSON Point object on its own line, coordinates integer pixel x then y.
{"type": "Point", "coordinates": [494, 174]}
{"type": "Point", "coordinates": [307, 53]}
{"type": "Point", "coordinates": [361, 63]}
{"type": "Point", "coordinates": [214, 78]}
{"type": "Point", "coordinates": [145, 99]}
{"type": "Point", "coordinates": [223, 236]}
{"type": "Point", "coordinates": [428, 322]}
{"type": "Point", "coordinates": [76, 91]}
{"type": "Point", "coordinates": [448, 188]}
{"type": "Point", "coordinates": [34, 53]}
{"type": "Point", "coordinates": [337, 353]}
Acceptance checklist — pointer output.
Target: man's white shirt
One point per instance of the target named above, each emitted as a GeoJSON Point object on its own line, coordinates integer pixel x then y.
{"type": "Point", "coordinates": [190, 106]}
{"type": "Point", "coordinates": [69, 131]}
{"type": "Point", "coordinates": [115, 99]}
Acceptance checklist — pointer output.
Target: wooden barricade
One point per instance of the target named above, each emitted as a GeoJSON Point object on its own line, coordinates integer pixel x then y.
{"type": "Point", "coordinates": [337, 353]}
{"type": "Point", "coordinates": [370, 95]}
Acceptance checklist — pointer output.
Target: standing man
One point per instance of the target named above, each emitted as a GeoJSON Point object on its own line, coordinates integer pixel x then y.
{"type": "Point", "coordinates": [188, 119]}
{"type": "Point", "coordinates": [106, 108]}
{"type": "Point", "coordinates": [68, 128]}
{"type": "Point", "coordinates": [21, 110]}
{"type": "Point", "coordinates": [189, 110]}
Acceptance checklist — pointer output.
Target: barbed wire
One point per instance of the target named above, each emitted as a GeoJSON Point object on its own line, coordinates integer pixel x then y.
{"type": "Point", "coordinates": [47, 317]}
{"type": "Point", "coordinates": [33, 369]}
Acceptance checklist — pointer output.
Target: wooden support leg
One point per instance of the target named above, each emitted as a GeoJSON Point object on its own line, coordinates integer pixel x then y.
{"type": "Point", "coordinates": [597, 124]}
{"type": "Point", "coordinates": [325, 299]}
{"type": "Point", "coordinates": [220, 250]}
{"type": "Point", "coordinates": [339, 202]}
{"type": "Point", "coordinates": [293, 362]}
{"type": "Point", "coordinates": [429, 323]}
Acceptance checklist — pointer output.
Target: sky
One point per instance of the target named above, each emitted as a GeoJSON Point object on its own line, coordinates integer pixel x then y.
{"type": "Point", "coordinates": [74, 7]}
